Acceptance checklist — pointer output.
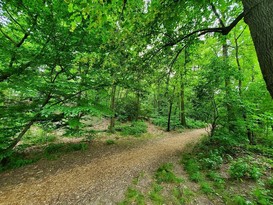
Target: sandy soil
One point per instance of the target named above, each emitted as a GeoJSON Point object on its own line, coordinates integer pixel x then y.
{"type": "Point", "coordinates": [100, 175]}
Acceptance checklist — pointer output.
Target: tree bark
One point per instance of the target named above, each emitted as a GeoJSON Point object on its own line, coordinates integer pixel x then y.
{"type": "Point", "coordinates": [113, 108]}
{"type": "Point", "coordinates": [169, 116]}
{"type": "Point", "coordinates": [258, 16]}
{"type": "Point", "coordinates": [182, 94]}
{"type": "Point", "coordinates": [227, 87]}
{"type": "Point", "coordinates": [138, 105]}
{"type": "Point", "coordinates": [170, 111]}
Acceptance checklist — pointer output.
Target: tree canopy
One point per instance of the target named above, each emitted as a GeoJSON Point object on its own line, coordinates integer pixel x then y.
{"type": "Point", "coordinates": [127, 60]}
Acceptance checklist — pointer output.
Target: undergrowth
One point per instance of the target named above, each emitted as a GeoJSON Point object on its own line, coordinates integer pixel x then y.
{"type": "Point", "coordinates": [136, 128]}
{"type": "Point", "coordinates": [224, 169]}
{"type": "Point", "coordinates": [52, 151]}
{"type": "Point", "coordinates": [162, 122]}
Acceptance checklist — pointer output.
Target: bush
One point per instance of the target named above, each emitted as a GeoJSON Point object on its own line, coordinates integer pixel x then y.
{"type": "Point", "coordinates": [192, 123]}
{"type": "Point", "coordinates": [136, 128]}
{"type": "Point", "coordinates": [212, 161]}
{"type": "Point", "coordinates": [261, 149]}
{"type": "Point", "coordinates": [225, 142]}
{"type": "Point", "coordinates": [242, 168]}
{"type": "Point", "coordinates": [18, 159]}
{"type": "Point", "coordinates": [127, 109]}
{"type": "Point", "coordinates": [162, 121]}
{"type": "Point", "coordinates": [37, 136]}
{"type": "Point", "coordinates": [64, 148]}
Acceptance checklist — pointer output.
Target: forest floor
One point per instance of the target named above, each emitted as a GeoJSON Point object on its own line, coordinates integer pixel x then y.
{"type": "Point", "coordinates": [99, 175]}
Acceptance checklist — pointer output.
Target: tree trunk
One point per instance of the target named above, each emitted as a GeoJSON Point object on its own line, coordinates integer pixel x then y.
{"type": "Point", "coordinates": [138, 105]}
{"type": "Point", "coordinates": [26, 128]}
{"type": "Point", "coordinates": [170, 110]}
{"type": "Point", "coordinates": [169, 116]}
{"type": "Point", "coordinates": [259, 19]}
{"type": "Point", "coordinates": [244, 115]}
{"type": "Point", "coordinates": [227, 87]}
{"type": "Point", "coordinates": [113, 108]}
{"type": "Point", "coordinates": [238, 64]}
{"type": "Point", "coordinates": [182, 94]}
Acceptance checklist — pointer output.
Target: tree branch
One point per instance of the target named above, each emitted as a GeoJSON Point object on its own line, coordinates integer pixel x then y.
{"type": "Point", "coordinates": [200, 32]}
{"type": "Point", "coordinates": [8, 37]}
{"type": "Point", "coordinates": [217, 15]}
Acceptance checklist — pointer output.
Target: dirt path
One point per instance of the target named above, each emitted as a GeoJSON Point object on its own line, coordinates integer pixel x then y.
{"type": "Point", "coordinates": [96, 179]}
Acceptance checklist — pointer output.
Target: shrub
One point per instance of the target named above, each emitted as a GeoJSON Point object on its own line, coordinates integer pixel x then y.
{"type": "Point", "coordinates": [242, 168]}
{"type": "Point", "coordinates": [136, 128]}
{"type": "Point", "coordinates": [162, 121]}
{"type": "Point", "coordinates": [213, 161]}
{"type": "Point", "coordinates": [37, 136]}
{"type": "Point", "coordinates": [18, 159]}
{"type": "Point", "coordinates": [192, 123]}
{"type": "Point", "coordinates": [214, 176]}
{"type": "Point", "coordinates": [127, 109]}
{"type": "Point", "coordinates": [64, 148]}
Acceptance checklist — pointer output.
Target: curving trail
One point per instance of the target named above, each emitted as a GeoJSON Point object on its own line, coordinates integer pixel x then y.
{"type": "Point", "coordinates": [99, 178]}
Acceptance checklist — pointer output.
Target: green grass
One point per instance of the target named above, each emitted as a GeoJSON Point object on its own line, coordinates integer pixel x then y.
{"type": "Point", "coordinates": [37, 136]}
{"type": "Point", "coordinates": [133, 196]}
{"type": "Point", "coordinates": [165, 174]}
{"type": "Point", "coordinates": [155, 194]}
{"type": "Point", "coordinates": [110, 142]}
{"type": "Point", "coordinates": [192, 167]}
{"type": "Point", "coordinates": [238, 200]}
{"type": "Point", "coordinates": [206, 188]}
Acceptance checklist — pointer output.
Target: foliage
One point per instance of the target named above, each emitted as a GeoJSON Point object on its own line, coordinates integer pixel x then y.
{"type": "Point", "coordinates": [110, 142]}
{"type": "Point", "coordinates": [244, 168]}
{"type": "Point", "coordinates": [261, 196]}
{"type": "Point", "coordinates": [127, 109]}
{"type": "Point", "coordinates": [165, 174]}
{"type": "Point", "coordinates": [136, 128]}
{"type": "Point", "coordinates": [64, 148]}
{"type": "Point", "coordinates": [216, 178]}
{"type": "Point", "coordinates": [161, 121]}
{"type": "Point", "coordinates": [155, 194]}
{"type": "Point", "coordinates": [37, 136]}
{"type": "Point", "coordinates": [133, 196]}
{"type": "Point", "coordinates": [212, 161]}
{"type": "Point", "coordinates": [18, 159]}
{"type": "Point", "coordinates": [192, 167]}
{"type": "Point", "coordinates": [206, 188]}
{"type": "Point", "coordinates": [238, 200]}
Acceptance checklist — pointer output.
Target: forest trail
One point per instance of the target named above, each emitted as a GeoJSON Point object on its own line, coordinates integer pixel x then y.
{"type": "Point", "coordinates": [97, 176]}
